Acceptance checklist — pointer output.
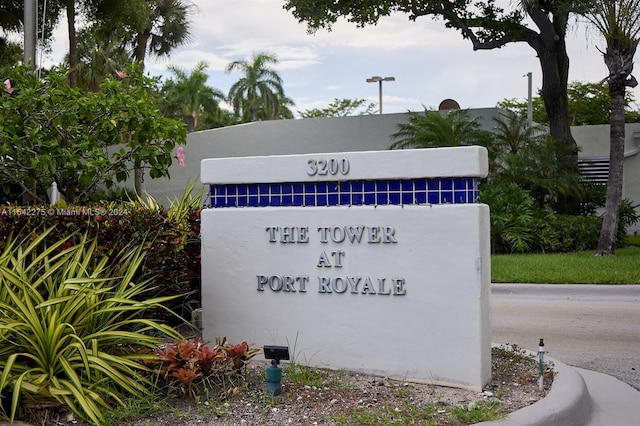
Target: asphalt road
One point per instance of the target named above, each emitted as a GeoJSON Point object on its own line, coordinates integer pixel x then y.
{"type": "Point", "coordinates": [595, 327]}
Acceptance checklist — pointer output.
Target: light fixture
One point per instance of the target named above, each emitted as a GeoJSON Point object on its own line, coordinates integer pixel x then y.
{"type": "Point", "coordinates": [274, 373]}
{"type": "Point", "coordinates": [379, 80]}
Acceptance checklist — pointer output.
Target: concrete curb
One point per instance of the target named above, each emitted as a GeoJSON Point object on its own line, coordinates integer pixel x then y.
{"type": "Point", "coordinates": [568, 403]}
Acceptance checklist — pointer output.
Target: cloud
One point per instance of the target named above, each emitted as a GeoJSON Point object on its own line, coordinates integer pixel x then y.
{"type": "Point", "coordinates": [429, 61]}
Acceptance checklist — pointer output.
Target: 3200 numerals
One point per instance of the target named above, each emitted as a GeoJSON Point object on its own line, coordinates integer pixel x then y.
{"type": "Point", "coordinates": [332, 166]}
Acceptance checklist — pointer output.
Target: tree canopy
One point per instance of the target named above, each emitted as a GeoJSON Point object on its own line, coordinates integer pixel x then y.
{"type": "Point", "coordinates": [12, 16]}
{"type": "Point", "coordinates": [486, 24]}
{"type": "Point", "coordinates": [258, 94]}
{"type": "Point", "coordinates": [341, 108]}
{"type": "Point", "coordinates": [188, 96]}
{"type": "Point", "coordinates": [432, 129]}
{"type": "Point", "coordinates": [81, 140]}
{"type": "Point", "coordinates": [589, 104]}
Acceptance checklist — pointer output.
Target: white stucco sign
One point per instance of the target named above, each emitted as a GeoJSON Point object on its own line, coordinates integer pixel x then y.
{"type": "Point", "coordinates": [376, 262]}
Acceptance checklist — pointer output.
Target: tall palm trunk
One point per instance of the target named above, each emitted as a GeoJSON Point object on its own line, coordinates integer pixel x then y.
{"type": "Point", "coordinates": [191, 120]}
{"type": "Point", "coordinates": [618, 21]}
{"type": "Point", "coordinates": [142, 40]}
{"type": "Point", "coordinates": [140, 54]}
{"type": "Point", "coordinates": [73, 43]}
{"type": "Point", "coordinates": [616, 160]}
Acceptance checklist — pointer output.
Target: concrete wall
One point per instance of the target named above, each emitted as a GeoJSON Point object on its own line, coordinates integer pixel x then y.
{"type": "Point", "coordinates": [408, 299]}
{"type": "Point", "coordinates": [302, 136]}
{"type": "Point", "coordinates": [359, 133]}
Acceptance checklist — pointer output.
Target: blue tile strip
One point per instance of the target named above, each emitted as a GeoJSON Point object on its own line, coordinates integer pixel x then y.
{"type": "Point", "coordinates": [459, 190]}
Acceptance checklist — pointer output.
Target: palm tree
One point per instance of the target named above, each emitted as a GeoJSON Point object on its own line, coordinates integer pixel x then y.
{"type": "Point", "coordinates": [70, 7]}
{"type": "Point", "coordinates": [167, 27]}
{"type": "Point", "coordinates": [284, 108]}
{"type": "Point", "coordinates": [259, 92]}
{"type": "Point", "coordinates": [618, 21]}
{"type": "Point", "coordinates": [529, 157]}
{"type": "Point", "coordinates": [98, 57]}
{"type": "Point", "coordinates": [189, 94]}
{"type": "Point", "coordinates": [512, 132]}
{"type": "Point", "coordinates": [436, 129]}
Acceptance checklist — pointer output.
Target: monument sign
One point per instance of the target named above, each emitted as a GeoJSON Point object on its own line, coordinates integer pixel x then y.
{"type": "Point", "coordinates": [375, 262]}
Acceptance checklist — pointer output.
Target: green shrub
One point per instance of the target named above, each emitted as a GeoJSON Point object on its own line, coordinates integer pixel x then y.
{"type": "Point", "coordinates": [628, 216]}
{"type": "Point", "coordinates": [73, 323]}
{"type": "Point", "coordinates": [511, 217]}
{"type": "Point", "coordinates": [170, 238]}
{"type": "Point", "coordinates": [566, 233]}
{"type": "Point", "coordinates": [517, 226]}
{"type": "Point", "coordinates": [632, 241]}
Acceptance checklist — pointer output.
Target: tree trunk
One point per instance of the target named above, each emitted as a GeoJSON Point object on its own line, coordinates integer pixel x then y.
{"type": "Point", "coordinates": [616, 159]}
{"type": "Point", "coordinates": [141, 46]}
{"type": "Point", "coordinates": [191, 121]}
{"type": "Point", "coordinates": [137, 180]}
{"type": "Point", "coordinates": [73, 44]}
{"type": "Point", "coordinates": [141, 50]}
{"type": "Point", "coordinates": [554, 62]}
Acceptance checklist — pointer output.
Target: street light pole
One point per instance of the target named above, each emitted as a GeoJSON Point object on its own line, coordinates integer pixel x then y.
{"type": "Point", "coordinates": [379, 80]}
{"type": "Point", "coordinates": [529, 99]}
{"type": "Point", "coordinates": [30, 11]}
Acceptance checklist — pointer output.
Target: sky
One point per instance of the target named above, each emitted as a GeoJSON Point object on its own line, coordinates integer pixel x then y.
{"type": "Point", "coordinates": [430, 63]}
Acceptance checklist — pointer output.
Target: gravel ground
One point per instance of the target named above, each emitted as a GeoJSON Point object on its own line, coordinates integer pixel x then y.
{"type": "Point", "coordinates": [321, 397]}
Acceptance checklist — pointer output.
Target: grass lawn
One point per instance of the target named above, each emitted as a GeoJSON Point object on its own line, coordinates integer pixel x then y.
{"type": "Point", "coordinates": [569, 268]}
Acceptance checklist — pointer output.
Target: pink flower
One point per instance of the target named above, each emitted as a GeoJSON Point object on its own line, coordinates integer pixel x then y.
{"type": "Point", "coordinates": [121, 74]}
{"type": "Point", "coordinates": [180, 155]}
{"type": "Point", "coordinates": [7, 87]}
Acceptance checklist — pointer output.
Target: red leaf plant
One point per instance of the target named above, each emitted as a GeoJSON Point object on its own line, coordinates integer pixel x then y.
{"type": "Point", "coordinates": [174, 357]}
{"type": "Point", "coordinates": [189, 360]}
{"type": "Point", "coordinates": [186, 376]}
{"type": "Point", "coordinates": [240, 353]}
{"type": "Point", "coordinates": [208, 358]}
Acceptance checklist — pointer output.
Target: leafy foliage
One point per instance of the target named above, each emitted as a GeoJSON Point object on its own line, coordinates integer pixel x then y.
{"type": "Point", "coordinates": [188, 97]}
{"type": "Point", "coordinates": [566, 233]}
{"type": "Point", "coordinates": [520, 108]}
{"type": "Point", "coordinates": [536, 168]}
{"type": "Point", "coordinates": [12, 17]}
{"type": "Point", "coordinates": [511, 217]}
{"type": "Point", "coordinates": [71, 319]}
{"type": "Point", "coordinates": [341, 108]}
{"type": "Point", "coordinates": [461, 15]}
{"type": "Point", "coordinates": [518, 226]}
{"type": "Point", "coordinates": [98, 59]}
{"type": "Point", "coordinates": [10, 54]}
{"type": "Point", "coordinates": [627, 216]}
{"type": "Point", "coordinates": [170, 239]}
{"type": "Point", "coordinates": [81, 139]}
{"type": "Point", "coordinates": [525, 183]}
{"type": "Point", "coordinates": [166, 25]}
{"type": "Point", "coordinates": [512, 133]}
{"type": "Point", "coordinates": [589, 104]}
{"type": "Point", "coordinates": [436, 129]}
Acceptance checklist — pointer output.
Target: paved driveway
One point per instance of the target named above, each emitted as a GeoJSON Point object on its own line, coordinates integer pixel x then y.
{"type": "Point", "coordinates": [595, 327]}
